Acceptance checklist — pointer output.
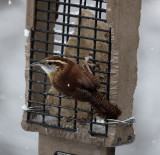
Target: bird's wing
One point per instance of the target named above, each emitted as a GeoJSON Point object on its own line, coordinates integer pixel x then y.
{"type": "Point", "coordinates": [88, 81]}
{"type": "Point", "coordinates": [82, 95]}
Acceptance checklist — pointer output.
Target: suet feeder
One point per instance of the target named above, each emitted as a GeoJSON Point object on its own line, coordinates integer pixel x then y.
{"type": "Point", "coordinates": [105, 30]}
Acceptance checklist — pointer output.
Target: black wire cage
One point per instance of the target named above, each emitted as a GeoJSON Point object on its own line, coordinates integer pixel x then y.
{"type": "Point", "coordinates": [53, 29]}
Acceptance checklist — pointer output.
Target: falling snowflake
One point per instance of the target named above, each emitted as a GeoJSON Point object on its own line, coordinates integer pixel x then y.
{"type": "Point", "coordinates": [9, 2]}
{"type": "Point", "coordinates": [153, 141]}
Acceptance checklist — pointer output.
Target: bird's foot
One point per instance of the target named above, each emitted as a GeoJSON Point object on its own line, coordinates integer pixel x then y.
{"type": "Point", "coordinates": [87, 64]}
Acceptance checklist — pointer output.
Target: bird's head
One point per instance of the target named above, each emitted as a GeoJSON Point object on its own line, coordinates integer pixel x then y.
{"type": "Point", "coordinates": [52, 64]}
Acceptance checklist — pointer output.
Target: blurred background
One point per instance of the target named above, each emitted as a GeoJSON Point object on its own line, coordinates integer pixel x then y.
{"type": "Point", "coordinates": [15, 141]}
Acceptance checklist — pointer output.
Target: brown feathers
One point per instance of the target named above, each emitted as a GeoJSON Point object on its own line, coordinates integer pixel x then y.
{"type": "Point", "coordinates": [81, 85]}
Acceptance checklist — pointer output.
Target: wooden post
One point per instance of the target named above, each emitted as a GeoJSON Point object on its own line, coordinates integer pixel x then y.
{"type": "Point", "coordinates": [50, 145]}
{"type": "Point", "coordinates": [123, 16]}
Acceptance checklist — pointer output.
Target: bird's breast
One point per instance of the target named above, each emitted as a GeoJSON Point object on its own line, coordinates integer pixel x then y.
{"type": "Point", "coordinates": [62, 83]}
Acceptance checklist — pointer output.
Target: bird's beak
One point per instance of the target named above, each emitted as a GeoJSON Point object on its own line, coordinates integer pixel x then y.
{"type": "Point", "coordinates": [38, 63]}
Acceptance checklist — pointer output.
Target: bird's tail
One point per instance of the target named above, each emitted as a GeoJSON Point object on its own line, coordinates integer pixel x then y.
{"type": "Point", "coordinates": [103, 107]}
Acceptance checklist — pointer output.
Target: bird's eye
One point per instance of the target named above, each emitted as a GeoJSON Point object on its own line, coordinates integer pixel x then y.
{"type": "Point", "coordinates": [49, 63]}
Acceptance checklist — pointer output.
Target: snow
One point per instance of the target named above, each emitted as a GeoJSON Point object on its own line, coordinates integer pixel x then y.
{"type": "Point", "coordinates": [91, 5]}
{"type": "Point", "coordinates": [74, 12]}
{"type": "Point", "coordinates": [72, 22]}
{"type": "Point", "coordinates": [56, 30]}
{"type": "Point", "coordinates": [68, 85]}
{"type": "Point", "coordinates": [24, 107]}
{"type": "Point", "coordinates": [99, 120]}
{"type": "Point", "coordinates": [56, 52]}
{"type": "Point", "coordinates": [26, 32]}
{"type": "Point", "coordinates": [9, 2]}
{"type": "Point", "coordinates": [71, 32]}
{"type": "Point", "coordinates": [58, 41]}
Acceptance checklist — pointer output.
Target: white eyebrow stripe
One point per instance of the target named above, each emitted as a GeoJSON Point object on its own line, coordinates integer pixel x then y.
{"type": "Point", "coordinates": [62, 62]}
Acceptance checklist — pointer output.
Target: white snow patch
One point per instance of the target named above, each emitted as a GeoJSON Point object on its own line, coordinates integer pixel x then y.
{"type": "Point", "coordinates": [71, 32]}
{"type": "Point", "coordinates": [56, 52]}
{"type": "Point", "coordinates": [24, 107]}
{"type": "Point", "coordinates": [72, 23]}
{"type": "Point", "coordinates": [100, 120]}
{"type": "Point", "coordinates": [56, 30]}
{"type": "Point", "coordinates": [68, 85]}
{"type": "Point", "coordinates": [9, 2]}
{"type": "Point", "coordinates": [74, 13]}
{"type": "Point", "coordinates": [57, 41]}
{"type": "Point", "coordinates": [26, 33]}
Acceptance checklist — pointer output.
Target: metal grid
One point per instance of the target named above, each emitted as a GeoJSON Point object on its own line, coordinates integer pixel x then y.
{"type": "Point", "coordinates": [61, 34]}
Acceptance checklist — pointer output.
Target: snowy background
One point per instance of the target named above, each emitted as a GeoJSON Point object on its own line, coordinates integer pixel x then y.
{"type": "Point", "coordinates": [15, 141]}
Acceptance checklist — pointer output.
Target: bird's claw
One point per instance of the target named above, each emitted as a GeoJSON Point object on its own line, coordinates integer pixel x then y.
{"type": "Point", "coordinates": [87, 64]}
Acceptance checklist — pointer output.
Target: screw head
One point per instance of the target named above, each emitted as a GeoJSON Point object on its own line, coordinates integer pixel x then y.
{"type": "Point", "coordinates": [129, 139]}
{"type": "Point", "coordinates": [119, 141]}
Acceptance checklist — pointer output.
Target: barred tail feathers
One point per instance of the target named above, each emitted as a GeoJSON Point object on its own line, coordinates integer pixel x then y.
{"type": "Point", "coordinates": [103, 107]}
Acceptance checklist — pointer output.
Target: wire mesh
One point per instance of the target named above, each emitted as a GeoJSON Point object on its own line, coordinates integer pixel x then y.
{"type": "Point", "coordinates": [52, 30]}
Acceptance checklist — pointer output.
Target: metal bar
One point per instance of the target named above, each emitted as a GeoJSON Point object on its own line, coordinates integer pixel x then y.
{"type": "Point", "coordinates": [69, 56]}
{"type": "Point", "coordinates": [46, 54]}
{"type": "Point", "coordinates": [71, 25]}
{"type": "Point", "coordinates": [76, 5]}
{"type": "Point", "coordinates": [62, 44]}
{"type": "Point", "coordinates": [94, 55]}
{"type": "Point", "coordinates": [57, 106]}
{"type": "Point", "coordinates": [66, 117]}
{"type": "Point", "coordinates": [71, 35]}
{"type": "Point", "coordinates": [72, 15]}
{"type": "Point", "coordinates": [30, 73]}
{"type": "Point", "coordinates": [46, 93]}
{"type": "Point", "coordinates": [63, 128]}
{"type": "Point", "coordinates": [78, 44]}
{"type": "Point", "coordinates": [100, 13]}
{"type": "Point", "coordinates": [68, 20]}
{"type": "Point", "coordinates": [62, 49]}
{"type": "Point", "coordinates": [50, 125]}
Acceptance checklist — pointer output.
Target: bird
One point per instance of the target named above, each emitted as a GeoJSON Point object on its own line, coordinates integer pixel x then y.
{"type": "Point", "coordinates": [77, 83]}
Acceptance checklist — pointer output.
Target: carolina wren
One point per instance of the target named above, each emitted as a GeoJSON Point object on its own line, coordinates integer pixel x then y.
{"type": "Point", "coordinates": [77, 83]}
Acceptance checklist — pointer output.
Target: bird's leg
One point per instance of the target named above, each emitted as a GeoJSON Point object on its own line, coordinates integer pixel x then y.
{"type": "Point", "coordinates": [87, 64]}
